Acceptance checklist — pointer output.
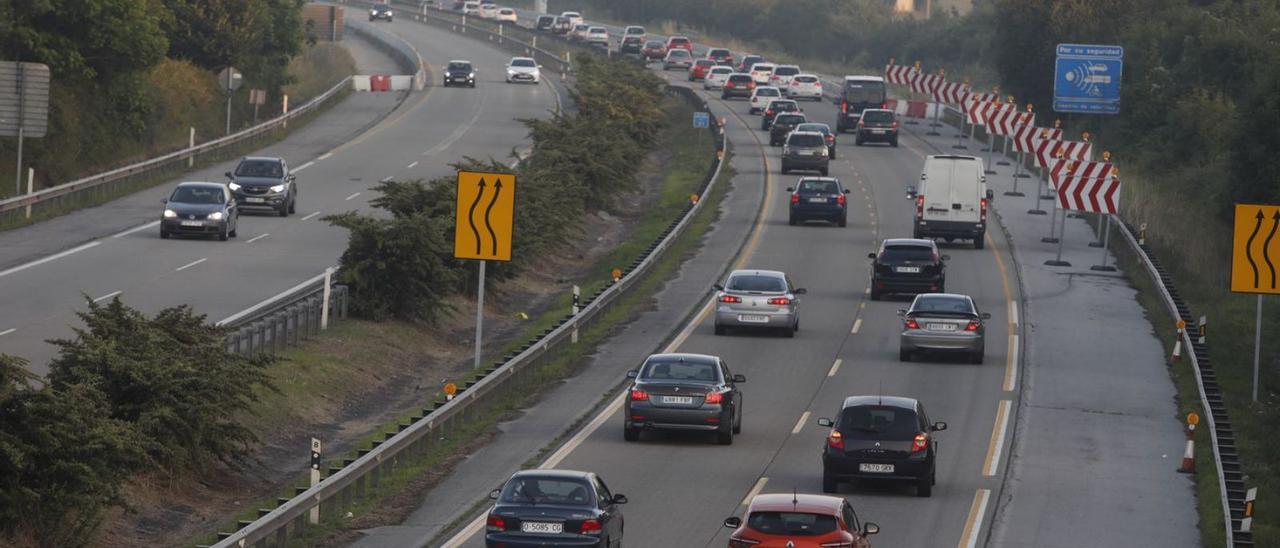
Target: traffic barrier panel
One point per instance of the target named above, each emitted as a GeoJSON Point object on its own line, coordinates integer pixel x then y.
{"type": "Point", "coordinates": [1093, 194]}
{"type": "Point", "coordinates": [1009, 121]}
{"type": "Point", "coordinates": [361, 82]}
{"type": "Point", "coordinates": [917, 109]}
{"type": "Point", "coordinates": [899, 74]}
{"type": "Point", "coordinates": [951, 93]}
{"type": "Point", "coordinates": [401, 82]}
{"type": "Point", "coordinates": [926, 83]}
{"type": "Point", "coordinates": [975, 103]}
{"type": "Point", "coordinates": [379, 82]}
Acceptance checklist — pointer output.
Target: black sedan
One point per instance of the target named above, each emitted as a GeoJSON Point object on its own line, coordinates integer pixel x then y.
{"type": "Point", "coordinates": [380, 11]}
{"type": "Point", "coordinates": [782, 125]}
{"type": "Point", "coordinates": [460, 73]}
{"type": "Point", "coordinates": [200, 209]}
{"type": "Point", "coordinates": [684, 392]}
{"type": "Point", "coordinates": [881, 438]}
{"type": "Point", "coordinates": [260, 182]}
{"type": "Point", "coordinates": [878, 125]}
{"type": "Point", "coordinates": [907, 265]}
{"type": "Point", "coordinates": [818, 198]}
{"type": "Point", "coordinates": [554, 508]}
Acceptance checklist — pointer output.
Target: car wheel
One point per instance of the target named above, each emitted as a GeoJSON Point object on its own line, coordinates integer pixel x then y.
{"type": "Point", "coordinates": [725, 436]}
{"type": "Point", "coordinates": [720, 329]}
{"type": "Point", "coordinates": [904, 355]}
{"type": "Point", "coordinates": [857, 142]}
{"type": "Point", "coordinates": [789, 331]}
{"type": "Point", "coordinates": [844, 221]}
{"type": "Point", "coordinates": [978, 243]}
{"type": "Point", "coordinates": [283, 211]}
{"type": "Point", "coordinates": [832, 153]}
{"type": "Point", "coordinates": [222, 236]}
{"type": "Point", "coordinates": [894, 143]}
{"type": "Point", "coordinates": [978, 357]}
{"type": "Point", "coordinates": [924, 487]}
{"type": "Point", "coordinates": [875, 295]}
{"type": "Point", "coordinates": [785, 169]}
{"type": "Point", "coordinates": [737, 426]}
{"type": "Point", "coordinates": [233, 230]}
{"type": "Point", "coordinates": [631, 434]}
{"type": "Point", "coordinates": [164, 234]}
{"type": "Point", "coordinates": [293, 204]}
{"type": "Point", "coordinates": [829, 484]}
{"type": "Point", "coordinates": [791, 219]}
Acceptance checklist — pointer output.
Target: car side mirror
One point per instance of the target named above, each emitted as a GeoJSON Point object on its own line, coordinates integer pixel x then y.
{"type": "Point", "coordinates": [846, 191]}
{"type": "Point", "coordinates": [901, 312]}
{"type": "Point", "coordinates": [939, 426]}
{"type": "Point", "coordinates": [911, 193]}
{"type": "Point", "coordinates": [164, 200]}
{"type": "Point", "coordinates": [871, 255]}
{"type": "Point", "coordinates": [826, 422]}
{"type": "Point", "coordinates": [619, 499]}
{"type": "Point", "coordinates": [633, 373]}
{"type": "Point", "coordinates": [946, 257]}
{"type": "Point", "coordinates": [494, 494]}
{"type": "Point", "coordinates": [791, 189]}
{"type": "Point", "coordinates": [733, 522]}
{"type": "Point", "coordinates": [228, 174]}
{"type": "Point", "coordinates": [717, 287]}
{"type": "Point", "coordinates": [986, 315]}
{"type": "Point", "coordinates": [739, 378]}
{"type": "Point", "coordinates": [991, 194]}
{"type": "Point", "coordinates": [800, 291]}
{"type": "Point", "coordinates": [870, 528]}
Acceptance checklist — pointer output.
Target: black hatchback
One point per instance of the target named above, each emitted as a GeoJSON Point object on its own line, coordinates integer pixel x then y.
{"type": "Point", "coordinates": [880, 438]}
{"type": "Point", "coordinates": [460, 72]}
{"type": "Point", "coordinates": [818, 198]}
{"type": "Point", "coordinates": [692, 392]}
{"type": "Point", "coordinates": [783, 124]}
{"type": "Point", "coordinates": [776, 107]}
{"type": "Point", "coordinates": [554, 508]}
{"type": "Point", "coordinates": [877, 125]}
{"type": "Point", "coordinates": [907, 265]}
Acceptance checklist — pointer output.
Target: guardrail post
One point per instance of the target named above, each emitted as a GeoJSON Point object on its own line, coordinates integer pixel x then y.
{"type": "Point", "coordinates": [324, 302]}
{"type": "Point", "coordinates": [282, 535]}
{"type": "Point", "coordinates": [191, 145]}
{"type": "Point", "coordinates": [31, 180]}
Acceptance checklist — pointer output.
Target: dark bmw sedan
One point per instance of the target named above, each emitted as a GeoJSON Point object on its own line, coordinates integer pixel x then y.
{"type": "Point", "coordinates": [261, 182]}
{"type": "Point", "coordinates": [200, 209]}
{"type": "Point", "coordinates": [818, 199]}
{"type": "Point", "coordinates": [554, 508]}
{"type": "Point", "coordinates": [907, 265]}
{"type": "Point", "coordinates": [881, 438]}
{"type": "Point", "coordinates": [684, 392]}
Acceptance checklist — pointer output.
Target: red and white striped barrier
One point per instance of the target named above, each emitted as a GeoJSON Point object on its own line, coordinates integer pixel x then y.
{"type": "Point", "coordinates": [1023, 135]}
{"type": "Point", "coordinates": [381, 82]}
{"type": "Point", "coordinates": [1061, 169]}
{"type": "Point", "coordinates": [1009, 121]}
{"type": "Point", "coordinates": [951, 93]}
{"type": "Point", "coordinates": [1042, 134]}
{"type": "Point", "coordinates": [1090, 193]}
{"type": "Point", "coordinates": [927, 83]}
{"type": "Point", "coordinates": [991, 113]}
{"type": "Point", "coordinates": [900, 74]}
{"type": "Point", "coordinates": [974, 105]}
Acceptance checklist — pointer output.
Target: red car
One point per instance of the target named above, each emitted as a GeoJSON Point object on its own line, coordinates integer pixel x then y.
{"type": "Point", "coordinates": [700, 69]}
{"type": "Point", "coordinates": [799, 521]}
{"type": "Point", "coordinates": [654, 49]}
{"type": "Point", "coordinates": [682, 42]}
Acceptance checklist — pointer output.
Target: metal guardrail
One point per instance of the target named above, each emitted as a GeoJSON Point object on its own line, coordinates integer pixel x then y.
{"type": "Point", "coordinates": [516, 374]}
{"type": "Point", "coordinates": [286, 319]}
{"type": "Point", "coordinates": [392, 45]}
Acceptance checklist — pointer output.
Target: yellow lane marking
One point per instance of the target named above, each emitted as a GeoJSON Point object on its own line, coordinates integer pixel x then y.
{"type": "Point", "coordinates": [755, 490]}
{"type": "Point", "coordinates": [969, 539]}
{"type": "Point", "coordinates": [835, 367]}
{"type": "Point", "coordinates": [996, 446]}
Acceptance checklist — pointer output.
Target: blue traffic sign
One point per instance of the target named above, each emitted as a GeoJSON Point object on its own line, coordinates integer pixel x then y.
{"type": "Point", "coordinates": [701, 119]}
{"type": "Point", "coordinates": [1087, 79]}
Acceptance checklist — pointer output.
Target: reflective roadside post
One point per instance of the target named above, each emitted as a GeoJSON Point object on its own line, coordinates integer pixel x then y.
{"type": "Point", "coordinates": [577, 307]}
{"type": "Point", "coordinates": [314, 518]}
{"type": "Point", "coordinates": [450, 390]}
{"type": "Point", "coordinates": [1189, 455]}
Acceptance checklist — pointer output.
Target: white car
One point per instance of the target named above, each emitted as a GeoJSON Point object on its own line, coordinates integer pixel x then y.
{"type": "Point", "coordinates": [717, 77]}
{"type": "Point", "coordinates": [523, 69]}
{"type": "Point", "coordinates": [574, 17]}
{"type": "Point", "coordinates": [488, 10]}
{"type": "Point", "coordinates": [761, 96]}
{"type": "Point", "coordinates": [471, 8]}
{"type": "Point", "coordinates": [782, 75]}
{"type": "Point", "coordinates": [635, 30]}
{"type": "Point", "coordinates": [597, 35]}
{"type": "Point", "coordinates": [507, 15]}
{"type": "Point", "coordinates": [761, 73]}
{"type": "Point", "coordinates": [579, 31]}
{"type": "Point", "coordinates": [805, 86]}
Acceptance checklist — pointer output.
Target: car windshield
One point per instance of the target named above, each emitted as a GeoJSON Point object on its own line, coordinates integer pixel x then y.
{"type": "Point", "coordinates": [790, 119]}
{"type": "Point", "coordinates": [806, 79]}
{"type": "Point", "coordinates": [680, 370]}
{"type": "Point", "coordinates": [679, 53]}
{"type": "Point", "coordinates": [819, 187]}
{"type": "Point", "coordinates": [786, 71]}
{"type": "Point", "coordinates": [762, 68]}
{"type": "Point", "coordinates": [460, 66]}
{"type": "Point", "coordinates": [820, 128]}
{"type": "Point", "coordinates": [918, 253]}
{"type": "Point", "coordinates": [879, 422]}
{"type": "Point", "coordinates": [653, 44]}
{"type": "Point", "coordinates": [864, 92]}
{"type": "Point", "coordinates": [756, 282]}
{"type": "Point", "coordinates": [940, 304]}
{"type": "Point", "coordinates": [259, 168]}
{"type": "Point", "coordinates": [196, 195]}
{"type": "Point", "coordinates": [796, 524]}
{"type": "Point", "coordinates": [739, 78]}
{"type": "Point", "coordinates": [877, 116]}
{"type": "Point", "coordinates": [542, 490]}
{"type": "Point", "coordinates": [721, 70]}
{"type": "Point", "coordinates": [523, 63]}
{"type": "Point", "coordinates": [805, 140]}
{"type": "Point", "coordinates": [598, 30]}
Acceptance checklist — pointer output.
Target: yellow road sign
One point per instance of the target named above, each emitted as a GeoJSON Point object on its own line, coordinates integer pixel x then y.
{"type": "Point", "coordinates": [1255, 249]}
{"type": "Point", "coordinates": [483, 226]}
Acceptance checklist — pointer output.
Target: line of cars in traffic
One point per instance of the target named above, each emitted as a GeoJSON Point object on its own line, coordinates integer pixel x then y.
{"type": "Point", "coordinates": [197, 208]}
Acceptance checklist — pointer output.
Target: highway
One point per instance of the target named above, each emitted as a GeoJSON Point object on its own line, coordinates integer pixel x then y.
{"type": "Point", "coordinates": [115, 249]}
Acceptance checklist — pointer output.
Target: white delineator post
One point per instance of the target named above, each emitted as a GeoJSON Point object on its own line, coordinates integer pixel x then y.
{"type": "Point", "coordinates": [324, 305]}
{"type": "Point", "coordinates": [31, 186]}
{"type": "Point", "coordinates": [191, 145]}
{"type": "Point", "coordinates": [1189, 456]}
{"type": "Point", "coordinates": [577, 295]}
{"type": "Point", "coordinates": [314, 518]}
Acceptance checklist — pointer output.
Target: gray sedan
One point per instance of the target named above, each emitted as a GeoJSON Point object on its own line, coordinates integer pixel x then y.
{"type": "Point", "coordinates": [758, 298]}
{"type": "Point", "coordinates": [944, 322]}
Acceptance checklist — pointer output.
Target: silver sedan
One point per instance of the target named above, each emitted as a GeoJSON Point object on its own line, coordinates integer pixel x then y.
{"type": "Point", "coordinates": [758, 299]}
{"type": "Point", "coordinates": [943, 322]}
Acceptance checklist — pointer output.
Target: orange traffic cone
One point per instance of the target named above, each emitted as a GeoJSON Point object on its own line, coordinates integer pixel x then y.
{"type": "Point", "coordinates": [1189, 456]}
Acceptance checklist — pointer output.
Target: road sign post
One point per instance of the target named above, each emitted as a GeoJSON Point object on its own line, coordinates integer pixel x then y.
{"type": "Point", "coordinates": [484, 228]}
{"type": "Point", "coordinates": [230, 79]}
{"type": "Point", "coordinates": [1087, 79]}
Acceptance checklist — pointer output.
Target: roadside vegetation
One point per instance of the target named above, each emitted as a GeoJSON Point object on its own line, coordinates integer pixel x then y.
{"type": "Point", "coordinates": [1198, 132]}
{"type": "Point", "coordinates": [131, 77]}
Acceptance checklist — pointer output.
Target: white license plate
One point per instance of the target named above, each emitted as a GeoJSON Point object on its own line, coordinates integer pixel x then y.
{"type": "Point", "coordinates": [255, 200]}
{"type": "Point", "coordinates": [941, 327]}
{"type": "Point", "coordinates": [818, 200]}
{"type": "Point", "coordinates": [875, 468]}
{"type": "Point", "coordinates": [678, 399]}
{"type": "Point", "coordinates": [542, 527]}
{"type": "Point", "coordinates": [752, 318]}
{"type": "Point", "coordinates": [192, 223]}
{"type": "Point", "coordinates": [907, 269]}
{"type": "Point", "coordinates": [878, 131]}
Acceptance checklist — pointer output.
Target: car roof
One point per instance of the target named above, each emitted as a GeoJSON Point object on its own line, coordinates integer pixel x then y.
{"type": "Point", "coordinates": [948, 295]}
{"type": "Point", "coordinates": [878, 110]}
{"type": "Point", "coordinates": [749, 272]}
{"type": "Point", "coordinates": [684, 356]}
{"type": "Point", "coordinates": [201, 184]}
{"type": "Point", "coordinates": [891, 401]}
{"type": "Point", "coordinates": [910, 241]}
{"type": "Point", "coordinates": [459, 61]}
{"type": "Point", "coordinates": [818, 133]}
{"type": "Point", "coordinates": [864, 79]}
{"type": "Point", "coordinates": [789, 502]}
{"type": "Point", "coordinates": [261, 158]}
{"type": "Point", "coordinates": [566, 474]}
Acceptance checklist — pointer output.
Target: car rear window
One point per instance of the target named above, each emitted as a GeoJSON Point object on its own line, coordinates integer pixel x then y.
{"type": "Point", "coordinates": [598, 30]}
{"type": "Point", "coordinates": [820, 128]}
{"type": "Point", "coordinates": [679, 370]}
{"type": "Point", "coordinates": [259, 168]}
{"type": "Point", "coordinates": [536, 490]}
{"type": "Point", "coordinates": [879, 422]}
{"type": "Point", "coordinates": [653, 44]}
{"type": "Point", "coordinates": [704, 62]}
{"type": "Point", "coordinates": [768, 92]}
{"type": "Point", "coordinates": [790, 119]}
{"type": "Point", "coordinates": [819, 187]}
{"type": "Point", "coordinates": [679, 40]}
{"type": "Point", "coordinates": [907, 253]}
{"type": "Point", "coordinates": [806, 79]}
{"type": "Point", "coordinates": [753, 282]}
{"type": "Point", "coordinates": [762, 67]}
{"type": "Point", "coordinates": [786, 71]}
{"type": "Point", "coordinates": [942, 304]}
{"type": "Point", "coordinates": [877, 116]}
{"type": "Point", "coordinates": [678, 53]}
{"type": "Point", "coordinates": [739, 78]}
{"type": "Point", "coordinates": [805, 140]}
{"type": "Point", "coordinates": [721, 70]}
{"type": "Point", "coordinates": [796, 524]}
{"type": "Point", "coordinates": [718, 52]}
{"type": "Point", "coordinates": [864, 91]}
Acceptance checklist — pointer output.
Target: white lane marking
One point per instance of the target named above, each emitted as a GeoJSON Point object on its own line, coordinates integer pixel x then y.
{"type": "Point", "coordinates": [304, 166]}
{"type": "Point", "coordinates": [1013, 313]}
{"type": "Point", "coordinates": [1011, 370]}
{"type": "Point", "coordinates": [800, 423]}
{"type": "Point", "coordinates": [857, 324]}
{"type": "Point", "coordinates": [835, 367]}
{"type": "Point", "coordinates": [258, 237]}
{"type": "Point", "coordinates": [190, 264]}
{"type": "Point", "coordinates": [53, 257]}
{"type": "Point", "coordinates": [973, 525]}
{"type": "Point", "coordinates": [352, 197]}
{"type": "Point", "coordinates": [415, 162]}
{"type": "Point", "coordinates": [385, 179]}
{"type": "Point", "coordinates": [755, 490]}
{"type": "Point", "coordinates": [310, 216]}
{"type": "Point", "coordinates": [458, 132]}
{"type": "Point", "coordinates": [7, 331]}
{"type": "Point", "coordinates": [324, 156]}
{"type": "Point", "coordinates": [107, 296]}
{"type": "Point", "coordinates": [469, 531]}
{"type": "Point", "coordinates": [135, 229]}
{"type": "Point", "coordinates": [997, 438]}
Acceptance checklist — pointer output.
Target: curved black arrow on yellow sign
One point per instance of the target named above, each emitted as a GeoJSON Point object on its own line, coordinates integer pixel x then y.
{"type": "Point", "coordinates": [1253, 263]}
{"type": "Point", "coordinates": [484, 234]}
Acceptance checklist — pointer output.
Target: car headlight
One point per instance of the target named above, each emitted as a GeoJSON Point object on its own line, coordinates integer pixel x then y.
{"type": "Point", "coordinates": [277, 188]}
{"type": "Point", "coordinates": [373, 11]}
{"type": "Point", "coordinates": [170, 214]}
{"type": "Point", "coordinates": [471, 75]}
{"type": "Point", "coordinates": [215, 216]}
{"type": "Point", "coordinates": [786, 150]}
{"type": "Point", "coordinates": [233, 186]}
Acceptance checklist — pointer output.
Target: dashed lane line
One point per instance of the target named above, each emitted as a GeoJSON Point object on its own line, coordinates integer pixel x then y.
{"type": "Point", "coordinates": [190, 264]}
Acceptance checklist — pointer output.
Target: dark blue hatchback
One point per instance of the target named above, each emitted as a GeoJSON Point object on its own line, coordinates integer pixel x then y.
{"type": "Point", "coordinates": [818, 199]}
{"type": "Point", "coordinates": [554, 508]}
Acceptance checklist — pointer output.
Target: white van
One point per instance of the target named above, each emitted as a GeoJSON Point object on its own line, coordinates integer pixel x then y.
{"type": "Point", "coordinates": [952, 199]}
{"type": "Point", "coordinates": [574, 17]}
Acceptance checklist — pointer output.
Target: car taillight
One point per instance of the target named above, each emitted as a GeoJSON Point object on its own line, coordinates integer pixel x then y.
{"type": "Point", "coordinates": [728, 84]}
{"type": "Point", "coordinates": [835, 440]}
{"type": "Point", "coordinates": [714, 397]}
{"type": "Point", "coordinates": [831, 138]}
{"type": "Point", "coordinates": [780, 301]}
{"type": "Point", "coordinates": [973, 325]}
{"type": "Point", "coordinates": [919, 207]}
{"type": "Point", "coordinates": [751, 85]}
{"type": "Point", "coordinates": [884, 104]}
{"type": "Point", "coordinates": [844, 106]}
{"type": "Point", "coordinates": [895, 124]}
{"type": "Point", "coordinates": [840, 199]}
{"type": "Point", "coordinates": [496, 523]}
{"type": "Point", "coordinates": [910, 323]}
{"type": "Point", "coordinates": [768, 112]}
{"type": "Point", "coordinates": [742, 542]}
{"type": "Point", "coordinates": [590, 527]}
{"type": "Point", "coordinates": [920, 443]}
{"type": "Point", "coordinates": [795, 198]}
{"type": "Point", "coordinates": [730, 299]}
{"type": "Point", "coordinates": [984, 209]}
{"type": "Point", "coordinates": [639, 395]}
{"type": "Point", "coordinates": [861, 124]}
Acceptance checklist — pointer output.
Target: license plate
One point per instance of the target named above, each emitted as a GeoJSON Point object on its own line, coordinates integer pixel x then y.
{"type": "Point", "coordinates": [678, 399]}
{"type": "Point", "coordinates": [541, 527]}
{"type": "Point", "coordinates": [878, 131]}
{"type": "Point", "coordinates": [255, 200]}
{"type": "Point", "coordinates": [818, 200]}
{"type": "Point", "coordinates": [192, 223]}
{"type": "Point", "coordinates": [751, 318]}
{"type": "Point", "coordinates": [875, 468]}
{"type": "Point", "coordinates": [907, 269]}
{"type": "Point", "coordinates": [942, 327]}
